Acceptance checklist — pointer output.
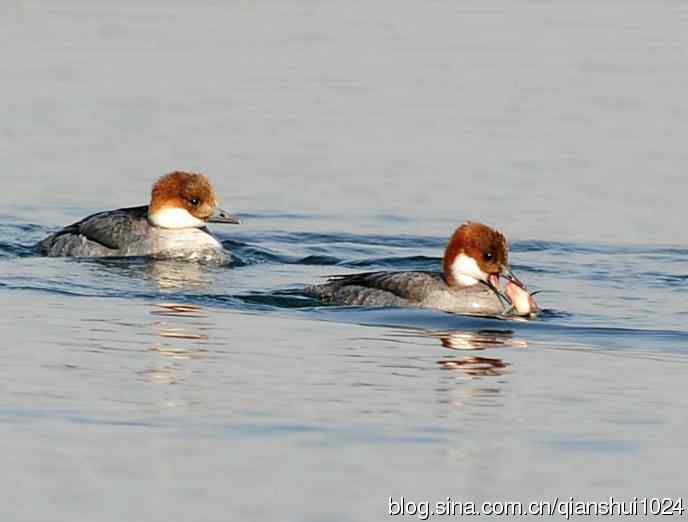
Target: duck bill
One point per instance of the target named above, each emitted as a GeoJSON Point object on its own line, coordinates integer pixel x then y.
{"type": "Point", "coordinates": [222, 216]}
{"type": "Point", "coordinates": [508, 274]}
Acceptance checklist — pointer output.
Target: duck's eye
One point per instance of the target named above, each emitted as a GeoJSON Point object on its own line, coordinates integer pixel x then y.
{"type": "Point", "coordinates": [195, 201]}
{"type": "Point", "coordinates": [488, 256]}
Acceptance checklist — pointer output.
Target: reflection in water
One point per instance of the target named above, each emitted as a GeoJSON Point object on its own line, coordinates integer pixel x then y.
{"type": "Point", "coordinates": [181, 333]}
{"type": "Point", "coordinates": [457, 394]}
{"type": "Point", "coordinates": [453, 398]}
{"type": "Point", "coordinates": [473, 366]}
{"type": "Point", "coordinates": [177, 334]}
{"type": "Point", "coordinates": [167, 331]}
{"type": "Point", "coordinates": [480, 340]}
{"type": "Point", "coordinates": [176, 275]}
{"type": "Point", "coordinates": [167, 274]}
{"type": "Point", "coordinates": [476, 366]}
{"type": "Point", "coordinates": [179, 310]}
{"type": "Point", "coordinates": [179, 353]}
{"type": "Point", "coordinates": [160, 375]}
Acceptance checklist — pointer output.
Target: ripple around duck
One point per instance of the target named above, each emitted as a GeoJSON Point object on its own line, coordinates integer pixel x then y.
{"type": "Point", "coordinates": [567, 269]}
{"type": "Point", "coordinates": [339, 238]}
{"type": "Point", "coordinates": [568, 336]}
{"type": "Point", "coordinates": [10, 249]}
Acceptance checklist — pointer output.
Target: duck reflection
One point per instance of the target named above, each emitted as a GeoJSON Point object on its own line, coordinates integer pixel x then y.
{"type": "Point", "coordinates": [164, 375]}
{"type": "Point", "coordinates": [475, 366]}
{"type": "Point", "coordinates": [479, 340]}
{"type": "Point", "coordinates": [178, 310]}
{"type": "Point", "coordinates": [166, 274]}
{"type": "Point", "coordinates": [176, 275]}
{"type": "Point", "coordinates": [181, 331]}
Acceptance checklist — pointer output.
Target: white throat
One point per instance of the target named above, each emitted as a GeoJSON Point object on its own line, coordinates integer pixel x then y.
{"type": "Point", "coordinates": [175, 218]}
{"type": "Point", "coordinates": [466, 271]}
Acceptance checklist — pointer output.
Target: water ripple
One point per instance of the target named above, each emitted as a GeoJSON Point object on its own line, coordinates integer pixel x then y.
{"type": "Point", "coordinates": [585, 283]}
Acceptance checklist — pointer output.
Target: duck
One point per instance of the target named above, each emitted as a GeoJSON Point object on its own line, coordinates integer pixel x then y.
{"type": "Point", "coordinates": [172, 225]}
{"type": "Point", "coordinates": [474, 261]}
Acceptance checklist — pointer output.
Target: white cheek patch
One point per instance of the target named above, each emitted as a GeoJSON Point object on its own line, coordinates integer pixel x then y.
{"type": "Point", "coordinates": [466, 271]}
{"type": "Point", "coordinates": [175, 218]}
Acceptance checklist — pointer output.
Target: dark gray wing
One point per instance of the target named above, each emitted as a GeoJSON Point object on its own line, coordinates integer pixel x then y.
{"type": "Point", "coordinates": [411, 286]}
{"type": "Point", "coordinates": [427, 289]}
{"type": "Point", "coordinates": [111, 229]}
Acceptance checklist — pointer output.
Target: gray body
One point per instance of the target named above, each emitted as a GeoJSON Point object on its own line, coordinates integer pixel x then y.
{"type": "Point", "coordinates": [127, 232]}
{"type": "Point", "coordinates": [417, 289]}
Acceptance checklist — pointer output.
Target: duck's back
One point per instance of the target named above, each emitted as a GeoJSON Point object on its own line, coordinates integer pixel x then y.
{"type": "Point", "coordinates": [419, 289]}
{"type": "Point", "coordinates": [111, 233]}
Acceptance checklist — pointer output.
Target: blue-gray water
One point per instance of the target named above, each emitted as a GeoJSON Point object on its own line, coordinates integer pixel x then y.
{"type": "Point", "coordinates": [348, 136]}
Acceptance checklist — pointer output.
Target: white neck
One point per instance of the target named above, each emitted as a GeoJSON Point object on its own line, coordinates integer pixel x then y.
{"type": "Point", "coordinates": [466, 271]}
{"type": "Point", "coordinates": [465, 280]}
{"type": "Point", "coordinates": [175, 217]}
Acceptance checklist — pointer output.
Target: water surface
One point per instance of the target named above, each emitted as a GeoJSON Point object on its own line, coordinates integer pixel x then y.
{"type": "Point", "coordinates": [348, 137]}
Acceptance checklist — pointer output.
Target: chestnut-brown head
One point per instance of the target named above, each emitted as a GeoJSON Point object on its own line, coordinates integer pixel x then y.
{"type": "Point", "coordinates": [475, 253]}
{"type": "Point", "coordinates": [185, 200]}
